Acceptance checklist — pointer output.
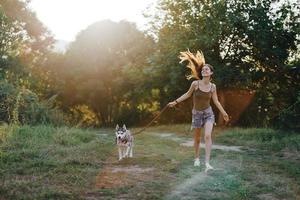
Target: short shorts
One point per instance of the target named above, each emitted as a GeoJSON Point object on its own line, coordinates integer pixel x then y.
{"type": "Point", "coordinates": [200, 117]}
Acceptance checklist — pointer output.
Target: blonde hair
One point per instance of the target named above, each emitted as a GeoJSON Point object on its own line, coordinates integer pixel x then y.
{"type": "Point", "coordinates": [196, 62]}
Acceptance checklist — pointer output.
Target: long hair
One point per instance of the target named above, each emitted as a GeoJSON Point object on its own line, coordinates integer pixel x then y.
{"type": "Point", "coordinates": [195, 63]}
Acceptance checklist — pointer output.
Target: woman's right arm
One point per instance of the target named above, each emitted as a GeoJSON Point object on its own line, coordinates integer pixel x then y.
{"type": "Point", "coordinates": [185, 95]}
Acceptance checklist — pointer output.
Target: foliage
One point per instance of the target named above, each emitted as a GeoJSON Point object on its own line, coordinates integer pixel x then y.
{"type": "Point", "coordinates": [104, 70]}
{"type": "Point", "coordinates": [115, 73]}
{"type": "Point", "coordinates": [250, 44]}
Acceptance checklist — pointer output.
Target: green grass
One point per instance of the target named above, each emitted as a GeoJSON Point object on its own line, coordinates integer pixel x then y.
{"type": "Point", "coordinates": [45, 162]}
{"type": "Point", "coordinates": [268, 139]}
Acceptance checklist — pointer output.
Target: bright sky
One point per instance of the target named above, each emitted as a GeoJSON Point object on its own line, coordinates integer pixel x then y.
{"type": "Point", "coordinates": [65, 18]}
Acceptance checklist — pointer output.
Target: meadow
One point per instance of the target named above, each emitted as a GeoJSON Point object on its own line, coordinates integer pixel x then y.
{"type": "Point", "coordinates": [45, 162]}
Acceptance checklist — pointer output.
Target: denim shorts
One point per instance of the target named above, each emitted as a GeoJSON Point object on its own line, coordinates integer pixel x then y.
{"type": "Point", "coordinates": [200, 117]}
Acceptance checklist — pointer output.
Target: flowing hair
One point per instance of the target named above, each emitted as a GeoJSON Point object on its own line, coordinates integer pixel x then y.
{"type": "Point", "coordinates": [195, 63]}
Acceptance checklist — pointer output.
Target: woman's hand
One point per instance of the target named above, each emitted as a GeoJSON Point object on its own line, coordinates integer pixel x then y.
{"type": "Point", "coordinates": [172, 103]}
{"type": "Point", "coordinates": [225, 117]}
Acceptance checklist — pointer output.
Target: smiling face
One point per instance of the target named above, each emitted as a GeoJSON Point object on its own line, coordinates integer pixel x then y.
{"type": "Point", "coordinates": [206, 71]}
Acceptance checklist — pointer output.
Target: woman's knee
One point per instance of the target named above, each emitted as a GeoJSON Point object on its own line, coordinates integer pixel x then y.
{"type": "Point", "coordinates": [197, 135]}
{"type": "Point", "coordinates": [197, 140]}
{"type": "Point", "coordinates": [207, 137]}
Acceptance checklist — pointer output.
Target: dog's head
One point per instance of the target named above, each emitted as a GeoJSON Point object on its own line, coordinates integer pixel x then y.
{"type": "Point", "coordinates": [121, 132]}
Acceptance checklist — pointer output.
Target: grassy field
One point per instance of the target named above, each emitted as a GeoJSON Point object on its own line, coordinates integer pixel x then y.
{"type": "Point", "coordinates": [45, 162]}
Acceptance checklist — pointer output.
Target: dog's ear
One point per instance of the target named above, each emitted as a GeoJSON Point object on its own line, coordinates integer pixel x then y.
{"type": "Point", "coordinates": [124, 126]}
{"type": "Point", "coordinates": [117, 127]}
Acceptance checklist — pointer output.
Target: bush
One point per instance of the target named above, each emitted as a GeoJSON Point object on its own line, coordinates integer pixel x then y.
{"type": "Point", "coordinates": [23, 106]}
{"type": "Point", "coordinates": [289, 118]}
{"type": "Point", "coordinates": [7, 99]}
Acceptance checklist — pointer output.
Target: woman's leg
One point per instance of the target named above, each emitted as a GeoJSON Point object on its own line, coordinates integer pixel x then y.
{"type": "Point", "coordinates": [197, 142]}
{"type": "Point", "coordinates": [208, 142]}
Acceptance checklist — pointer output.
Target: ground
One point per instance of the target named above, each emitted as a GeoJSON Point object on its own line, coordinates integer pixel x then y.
{"type": "Point", "coordinates": [64, 163]}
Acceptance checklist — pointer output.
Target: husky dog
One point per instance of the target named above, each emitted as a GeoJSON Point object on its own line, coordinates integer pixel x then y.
{"type": "Point", "coordinates": [124, 141]}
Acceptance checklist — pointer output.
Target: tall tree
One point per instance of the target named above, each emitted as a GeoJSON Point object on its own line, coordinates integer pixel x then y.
{"type": "Point", "coordinates": [104, 67]}
{"type": "Point", "coordinates": [24, 41]}
{"type": "Point", "coordinates": [248, 42]}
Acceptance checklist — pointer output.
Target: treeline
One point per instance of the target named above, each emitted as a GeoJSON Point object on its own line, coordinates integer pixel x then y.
{"type": "Point", "coordinates": [24, 45]}
{"type": "Point", "coordinates": [115, 73]}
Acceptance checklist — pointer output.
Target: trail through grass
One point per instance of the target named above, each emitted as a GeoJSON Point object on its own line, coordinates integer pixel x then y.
{"type": "Point", "coordinates": [45, 162]}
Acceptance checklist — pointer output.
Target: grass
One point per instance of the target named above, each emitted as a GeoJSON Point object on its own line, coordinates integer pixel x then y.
{"type": "Point", "coordinates": [267, 139]}
{"type": "Point", "coordinates": [45, 162]}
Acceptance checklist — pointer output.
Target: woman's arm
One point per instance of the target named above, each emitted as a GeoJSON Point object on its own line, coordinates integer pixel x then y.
{"type": "Point", "coordinates": [187, 94]}
{"type": "Point", "coordinates": [218, 104]}
{"type": "Point", "coordinates": [184, 96]}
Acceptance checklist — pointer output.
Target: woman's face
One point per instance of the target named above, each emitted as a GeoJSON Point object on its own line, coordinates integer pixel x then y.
{"type": "Point", "coordinates": [206, 71]}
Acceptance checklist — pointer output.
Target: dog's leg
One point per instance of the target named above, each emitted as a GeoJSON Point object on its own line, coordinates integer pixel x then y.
{"type": "Point", "coordinates": [127, 151]}
{"type": "Point", "coordinates": [120, 153]}
{"type": "Point", "coordinates": [123, 152]}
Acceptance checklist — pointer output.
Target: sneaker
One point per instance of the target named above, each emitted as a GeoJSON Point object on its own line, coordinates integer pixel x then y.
{"type": "Point", "coordinates": [208, 167]}
{"type": "Point", "coordinates": [197, 162]}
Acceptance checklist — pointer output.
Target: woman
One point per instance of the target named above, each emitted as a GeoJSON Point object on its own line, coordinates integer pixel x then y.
{"type": "Point", "coordinates": [202, 90]}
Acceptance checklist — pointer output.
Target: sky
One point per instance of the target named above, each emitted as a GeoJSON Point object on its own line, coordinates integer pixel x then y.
{"type": "Point", "coordinates": [66, 18]}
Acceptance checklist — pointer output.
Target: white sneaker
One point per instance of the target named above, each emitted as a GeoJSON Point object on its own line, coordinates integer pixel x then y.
{"type": "Point", "coordinates": [208, 167]}
{"type": "Point", "coordinates": [197, 162]}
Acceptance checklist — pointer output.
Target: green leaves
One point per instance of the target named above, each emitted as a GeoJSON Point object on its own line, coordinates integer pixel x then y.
{"type": "Point", "coordinates": [248, 43]}
{"type": "Point", "coordinates": [104, 69]}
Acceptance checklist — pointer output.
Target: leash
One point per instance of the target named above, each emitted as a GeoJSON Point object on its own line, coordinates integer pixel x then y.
{"type": "Point", "coordinates": [166, 106]}
{"type": "Point", "coordinates": [187, 132]}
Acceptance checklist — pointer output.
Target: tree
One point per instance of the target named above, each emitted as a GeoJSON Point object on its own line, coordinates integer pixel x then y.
{"type": "Point", "coordinates": [104, 68]}
{"type": "Point", "coordinates": [24, 41]}
{"type": "Point", "coordinates": [248, 43]}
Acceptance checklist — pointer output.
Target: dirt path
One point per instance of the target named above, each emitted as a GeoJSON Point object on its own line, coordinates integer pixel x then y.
{"type": "Point", "coordinates": [127, 173]}
{"type": "Point", "coordinates": [190, 143]}
{"type": "Point", "coordinates": [162, 168]}
{"type": "Point", "coordinates": [121, 174]}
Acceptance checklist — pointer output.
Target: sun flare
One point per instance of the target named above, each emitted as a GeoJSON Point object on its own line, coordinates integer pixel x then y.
{"type": "Point", "coordinates": [65, 18]}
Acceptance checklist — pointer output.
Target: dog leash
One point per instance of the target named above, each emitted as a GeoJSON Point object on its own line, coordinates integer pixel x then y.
{"type": "Point", "coordinates": [166, 106]}
{"type": "Point", "coordinates": [187, 132]}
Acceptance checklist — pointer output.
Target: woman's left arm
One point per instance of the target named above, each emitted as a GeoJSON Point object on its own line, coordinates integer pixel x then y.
{"type": "Point", "coordinates": [218, 104]}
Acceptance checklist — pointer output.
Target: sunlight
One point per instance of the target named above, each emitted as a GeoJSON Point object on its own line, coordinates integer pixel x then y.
{"type": "Point", "coordinates": [65, 18]}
